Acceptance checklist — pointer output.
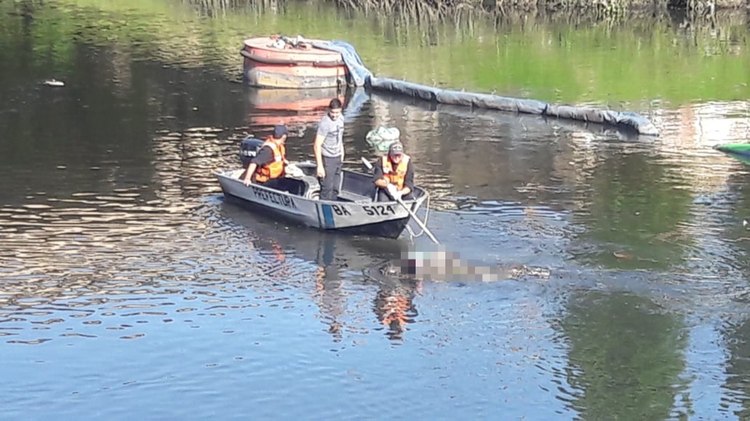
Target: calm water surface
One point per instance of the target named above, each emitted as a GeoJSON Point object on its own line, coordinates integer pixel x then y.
{"type": "Point", "coordinates": [129, 288]}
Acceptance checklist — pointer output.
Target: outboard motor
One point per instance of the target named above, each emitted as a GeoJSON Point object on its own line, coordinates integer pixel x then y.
{"type": "Point", "coordinates": [249, 148]}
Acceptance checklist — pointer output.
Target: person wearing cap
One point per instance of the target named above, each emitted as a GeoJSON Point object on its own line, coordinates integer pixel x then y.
{"type": "Point", "coordinates": [329, 151]}
{"type": "Point", "coordinates": [270, 162]}
{"type": "Point", "coordinates": [393, 175]}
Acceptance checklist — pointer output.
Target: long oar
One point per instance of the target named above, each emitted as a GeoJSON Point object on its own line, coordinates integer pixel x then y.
{"type": "Point", "coordinates": [408, 209]}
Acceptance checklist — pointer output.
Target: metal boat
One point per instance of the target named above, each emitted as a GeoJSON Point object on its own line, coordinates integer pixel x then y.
{"type": "Point", "coordinates": [296, 198]}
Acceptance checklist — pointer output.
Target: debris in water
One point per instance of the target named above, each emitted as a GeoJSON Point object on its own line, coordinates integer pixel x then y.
{"type": "Point", "coordinates": [204, 130]}
{"type": "Point", "coordinates": [622, 255]}
{"type": "Point", "coordinates": [54, 83]}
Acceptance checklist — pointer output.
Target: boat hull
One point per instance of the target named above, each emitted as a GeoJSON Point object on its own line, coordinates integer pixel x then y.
{"type": "Point", "coordinates": [267, 66]}
{"type": "Point", "coordinates": [385, 229]}
{"type": "Point", "coordinates": [361, 217]}
{"type": "Point", "coordinates": [742, 149]}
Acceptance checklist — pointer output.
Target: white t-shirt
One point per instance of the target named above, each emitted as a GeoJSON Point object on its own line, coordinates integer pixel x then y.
{"type": "Point", "coordinates": [333, 136]}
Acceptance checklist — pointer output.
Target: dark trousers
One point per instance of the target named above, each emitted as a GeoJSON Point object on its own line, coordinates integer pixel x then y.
{"type": "Point", "coordinates": [329, 185]}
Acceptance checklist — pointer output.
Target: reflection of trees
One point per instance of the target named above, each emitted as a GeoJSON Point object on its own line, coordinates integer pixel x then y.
{"type": "Point", "coordinates": [738, 366]}
{"type": "Point", "coordinates": [501, 58]}
{"type": "Point", "coordinates": [738, 336]}
{"type": "Point", "coordinates": [734, 229]}
{"type": "Point", "coordinates": [427, 14]}
{"type": "Point", "coordinates": [216, 7]}
{"type": "Point", "coordinates": [625, 357]}
{"type": "Point", "coordinates": [632, 211]}
{"type": "Point", "coordinates": [454, 154]}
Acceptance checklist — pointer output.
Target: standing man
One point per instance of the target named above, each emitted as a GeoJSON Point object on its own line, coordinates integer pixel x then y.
{"type": "Point", "coordinates": [269, 164]}
{"type": "Point", "coordinates": [393, 175]}
{"type": "Point", "coordinates": [329, 151]}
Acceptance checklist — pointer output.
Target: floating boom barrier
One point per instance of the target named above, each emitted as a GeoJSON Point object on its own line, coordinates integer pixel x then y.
{"type": "Point", "coordinates": [361, 76]}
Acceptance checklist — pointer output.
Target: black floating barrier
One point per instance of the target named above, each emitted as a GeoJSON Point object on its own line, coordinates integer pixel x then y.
{"type": "Point", "coordinates": [361, 76]}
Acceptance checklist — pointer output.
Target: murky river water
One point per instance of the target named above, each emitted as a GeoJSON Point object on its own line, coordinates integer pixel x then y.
{"type": "Point", "coordinates": [130, 289]}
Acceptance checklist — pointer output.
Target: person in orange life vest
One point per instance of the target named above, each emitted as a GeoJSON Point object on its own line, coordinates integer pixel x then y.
{"type": "Point", "coordinates": [270, 162]}
{"type": "Point", "coordinates": [394, 175]}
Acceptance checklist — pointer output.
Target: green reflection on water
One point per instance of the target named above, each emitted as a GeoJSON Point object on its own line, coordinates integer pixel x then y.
{"type": "Point", "coordinates": [625, 355]}
{"type": "Point", "coordinates": [635, 214]}
{"type": "Point", "coordinates": [605, 63]}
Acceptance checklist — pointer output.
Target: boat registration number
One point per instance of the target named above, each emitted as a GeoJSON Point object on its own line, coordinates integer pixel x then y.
{"type": "Point", "coordinates": [340, 210]}
{"type": "Point", "coordinates": [379, 210]}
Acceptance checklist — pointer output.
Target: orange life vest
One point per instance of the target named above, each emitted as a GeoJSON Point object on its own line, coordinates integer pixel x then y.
{"type": "Point", "coordinates": [397, 176]}
{"type": "Point", "coordinates": [275, 168]}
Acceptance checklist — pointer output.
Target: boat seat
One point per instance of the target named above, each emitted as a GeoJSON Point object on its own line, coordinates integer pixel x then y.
{"type": "Point", "coordinates": [354, 197]}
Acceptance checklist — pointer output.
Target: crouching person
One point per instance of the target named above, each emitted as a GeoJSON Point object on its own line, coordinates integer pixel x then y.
{"type": "Point", "coordinates": [393, 175]}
